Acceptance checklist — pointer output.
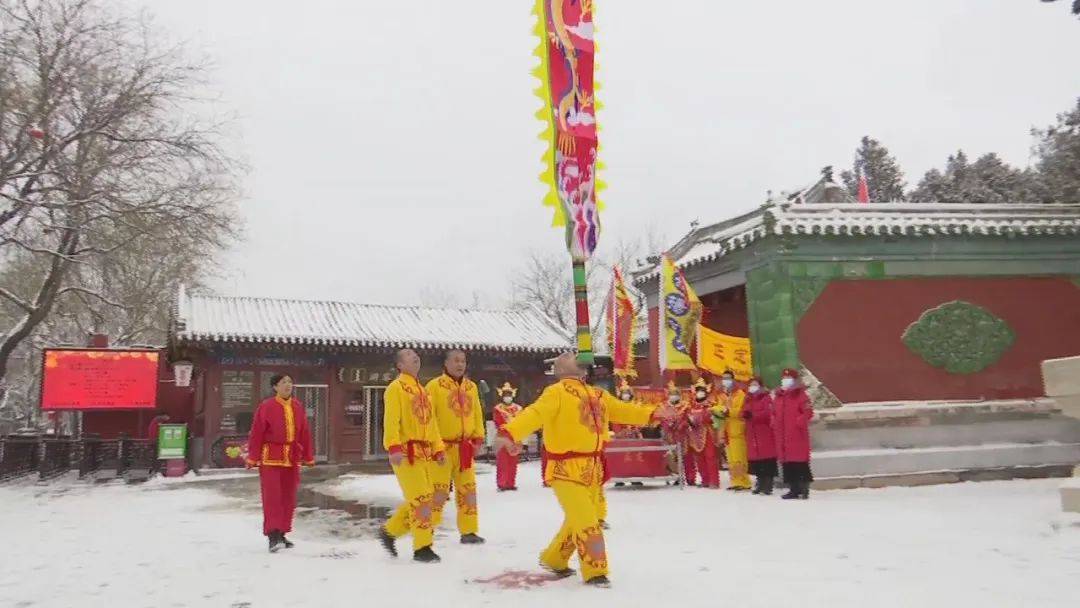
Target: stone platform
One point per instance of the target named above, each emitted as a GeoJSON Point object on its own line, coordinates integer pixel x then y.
{"type": "Point", "coordinates": [882, 444]}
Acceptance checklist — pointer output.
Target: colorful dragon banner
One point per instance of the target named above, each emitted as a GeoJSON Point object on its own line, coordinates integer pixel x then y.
{"type": "Point", "coordinates": [566, 52]}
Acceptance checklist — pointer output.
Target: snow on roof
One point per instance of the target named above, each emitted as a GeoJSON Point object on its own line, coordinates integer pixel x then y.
{"type": "Point", "coordinates": [266, 320]}
{"type": "Point", "coordinates": [708, 243]}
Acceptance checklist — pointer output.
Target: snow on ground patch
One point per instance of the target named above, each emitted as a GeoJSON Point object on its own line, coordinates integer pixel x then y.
{"type": "Point", "coordinates": [994, 543]}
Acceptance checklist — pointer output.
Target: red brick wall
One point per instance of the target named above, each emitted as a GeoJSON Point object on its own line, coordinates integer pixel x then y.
{"type": "Point", "coordinates": [850, 338]}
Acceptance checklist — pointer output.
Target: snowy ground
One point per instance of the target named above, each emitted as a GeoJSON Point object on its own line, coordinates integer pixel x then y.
{"type": "Point", "coordinates": [165, 544]}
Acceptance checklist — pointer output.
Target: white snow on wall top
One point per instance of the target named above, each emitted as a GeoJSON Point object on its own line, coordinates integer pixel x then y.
{"type": "Point", "coordinates": [711, 242]}
{"type": "Point", "coordinates": [266, 320]}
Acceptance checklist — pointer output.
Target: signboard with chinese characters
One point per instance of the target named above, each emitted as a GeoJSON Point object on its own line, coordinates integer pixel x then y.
{"type": "Point", "coordinates": [99, 379]}
{"type": "Point", "coordinates": [237, 390]}
{"type": "Point", "coordinates": [172, 441]}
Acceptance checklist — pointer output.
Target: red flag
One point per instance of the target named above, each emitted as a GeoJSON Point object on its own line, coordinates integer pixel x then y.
{"type": "Point", "coordinates": [620, 327]}
{"type": "Point", "coordinates": [864, 190]}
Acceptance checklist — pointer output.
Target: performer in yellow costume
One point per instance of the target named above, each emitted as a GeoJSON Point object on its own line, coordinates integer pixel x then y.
{"type": "Point", "coordinates": [461, 426]}
{"type": "Point", "coordinates": [416, 453]}
{"type": "Point", "coordinates": [730, 405]}
{"type": "Point", "coordinates": [575, 419]}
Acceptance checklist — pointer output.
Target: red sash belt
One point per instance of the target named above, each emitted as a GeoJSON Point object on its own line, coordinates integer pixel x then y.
{"type": "Point", "coordinates": [465, 452]}
{"type": "Point", "coordinates": [601, 456]}
{"type": "Point", "coordinates": [410, 448]}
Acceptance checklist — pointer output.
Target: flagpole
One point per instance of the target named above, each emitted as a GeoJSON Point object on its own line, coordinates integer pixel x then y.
{"type": "Point", "coordinates": [581, 308]}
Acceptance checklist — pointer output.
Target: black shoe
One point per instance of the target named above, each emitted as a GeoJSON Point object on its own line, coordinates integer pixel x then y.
{"type": "Point", "coordinates": [767, 486]}
{"type": "Point", "coordinates": [792, 493]}
{"type": "Point", "coordinates": [757, 487]}
{"type": "Point", "coordinates": [387, 542]}
{"type": "Point", "coordinates": [426, 555]}
{"type": "Point", "coordinates": [558, 572]}
{"type": "Point", "coordinates": [604, 525]}
{"type": "Point", "coordinates": [276, 543]}
{"type": "Point", "coordinates": [599, 581]}
{"type": "Point", "coordinates": [637, 484]}
{"type": "Point", "coordinates": [471, 539]}
{"type": "Point", "coordinates": [288, 543]}
{"type": "Point", "coordinates": [805, 493]}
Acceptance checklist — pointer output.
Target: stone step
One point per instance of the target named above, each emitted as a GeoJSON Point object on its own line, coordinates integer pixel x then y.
{"type": "Point", "coordinates": [1070, 495]}
{"type": "Point", "coordinates": [927, 478]}
{"type": "Point", "coordinates": [886, 461]}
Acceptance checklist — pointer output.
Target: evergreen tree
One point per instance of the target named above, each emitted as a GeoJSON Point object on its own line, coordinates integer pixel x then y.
{"type": "Point", "coordinates": [987, 180]}
{"type": "Point", "coordinates": [1075, 6]}
{"type": "Point", "coordinates": [884, 178]}
{"type": "Point", "coordinates": [1058, 151]}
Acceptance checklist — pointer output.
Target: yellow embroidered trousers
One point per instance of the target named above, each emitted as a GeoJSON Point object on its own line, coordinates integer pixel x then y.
{"type": "Point", "coordinates": [601, 503]}
{"type": "Point", "coordinates": [580, 530]}
{"type": "Point", "coordinates": [738, 466]}
{"type": "Point", "coordinates": [464, 482]}
{"type": "Point", "coordinates": [415, 515]}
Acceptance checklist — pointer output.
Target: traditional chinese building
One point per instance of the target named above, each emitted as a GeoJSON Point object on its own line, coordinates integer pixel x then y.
{"type": "Point", "coordinates": [893, 301]}
{"type": "Point", "coordinates": [341, 357]}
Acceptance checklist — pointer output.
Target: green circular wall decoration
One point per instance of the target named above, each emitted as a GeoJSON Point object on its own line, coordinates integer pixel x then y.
{"type": "Point", "coordinates": [960, 337]}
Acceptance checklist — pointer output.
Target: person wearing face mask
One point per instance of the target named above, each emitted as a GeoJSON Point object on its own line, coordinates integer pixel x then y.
{"type": "Point", "coordinates": [791, 423]}
{"type": "Point", "coordinates": [732, 400]}
{"type": "Point", "coordinates": [506, 463]}
{"type": "Point", "coordinates": [625, 393]}
{"type": "Point", "coordinates": [760, 440]}
{"type": "Point", "coordinates": [701, 440]}
{"type": "Point", "coordinates": [677, 431]}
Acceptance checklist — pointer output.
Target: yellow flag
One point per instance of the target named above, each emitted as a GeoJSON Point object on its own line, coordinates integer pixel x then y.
{"type": "Point", "coordinates": [680, 315]}
{"type": "Point", "coordinates": [719, 352]}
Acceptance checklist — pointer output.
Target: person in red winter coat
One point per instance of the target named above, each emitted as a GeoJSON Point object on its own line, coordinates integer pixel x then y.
{"type": "Point", "coordinates": [791, 423]}
{"type": "Point", "coordinates": [760, 440]}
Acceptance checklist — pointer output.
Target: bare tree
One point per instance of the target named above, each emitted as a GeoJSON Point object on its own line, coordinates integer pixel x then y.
{"type": "Point", "coordinates": [105, 152]}
{"type": "Point", "coordinates": [544, 278]}
{"type": "Point", "coordinates": [437, 296]}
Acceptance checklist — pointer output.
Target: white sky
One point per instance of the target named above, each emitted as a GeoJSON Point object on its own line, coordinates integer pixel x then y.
{"type": "Point", "coordinates": [393, 145]}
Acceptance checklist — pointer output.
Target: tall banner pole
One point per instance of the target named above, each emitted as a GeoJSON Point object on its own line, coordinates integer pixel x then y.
{"type": "Point", "coordinates": [581, 308]}
{"type": "Point", "coordinates": [564, 30]}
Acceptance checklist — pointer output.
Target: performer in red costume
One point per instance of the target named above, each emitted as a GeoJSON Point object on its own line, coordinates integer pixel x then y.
{"type": "Point", "coordinates": [700, 455]}
{"type": "Point", "coordinates": [280, 441]}
{"type": "Point", "coordinates": [506, 464]}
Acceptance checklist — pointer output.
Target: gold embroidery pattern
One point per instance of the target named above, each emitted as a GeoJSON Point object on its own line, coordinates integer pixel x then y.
{"type": "Point", "coordinates": [466, 499]}
{"type": "Point", "coordinates": [422, 511]}
{"type": "Point", "coordinates": [591, 547]}
{"type": "Point", "coordinates": [590, 408]}
{"type": "Point", "coordinates": [566, 549]}
{"type": "Point", "coordinates": [290, 423]}
{"type": "Point", "coordinates": [442, 494]}
{"type": "Point", "coordinates": [421, 405]}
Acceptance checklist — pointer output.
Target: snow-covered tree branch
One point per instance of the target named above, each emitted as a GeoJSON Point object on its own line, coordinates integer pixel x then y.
{"type": "Point", "coordinates": [114, 184]}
